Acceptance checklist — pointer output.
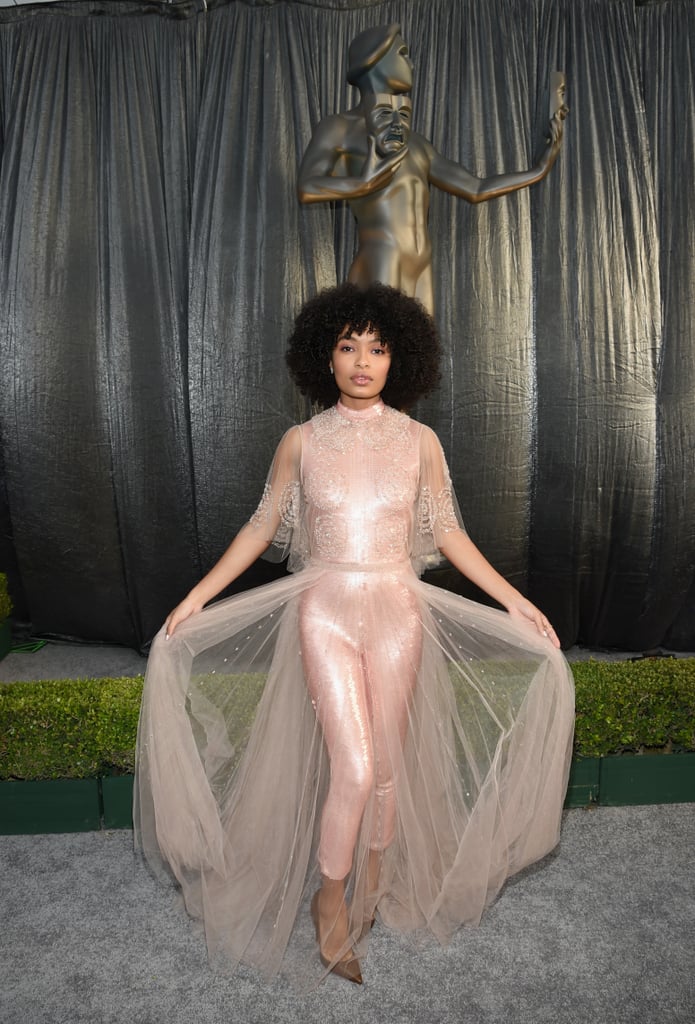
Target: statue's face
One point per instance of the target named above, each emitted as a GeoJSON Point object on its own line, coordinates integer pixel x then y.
{"type": "Point", "coordinates": [387, 118]}
{"type": "Point", "coordinates": [396, 67]}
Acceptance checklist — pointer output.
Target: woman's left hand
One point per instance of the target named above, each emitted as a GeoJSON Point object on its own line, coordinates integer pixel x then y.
{"type": "Point", "coordinates": [523, 611]}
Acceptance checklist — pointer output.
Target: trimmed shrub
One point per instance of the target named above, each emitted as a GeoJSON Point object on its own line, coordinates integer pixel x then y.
{"type": "Point", "coordinates": [633, 705]}
{"type": "Point", "coordinates": [5, 601]}
{"type": "Point", "coordinates": [68, 728]}
{"type": "Point", "coordinates": [79, 728]}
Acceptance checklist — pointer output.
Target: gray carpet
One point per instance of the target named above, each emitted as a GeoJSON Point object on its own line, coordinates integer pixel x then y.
{"type": "Point", "coordinates": [602, 932]}
{"type": "Point", "coordinates": [74, 661]}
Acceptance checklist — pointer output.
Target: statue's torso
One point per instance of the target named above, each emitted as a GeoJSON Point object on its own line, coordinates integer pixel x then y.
{"type": "Point", "coordinates": [398, 212]}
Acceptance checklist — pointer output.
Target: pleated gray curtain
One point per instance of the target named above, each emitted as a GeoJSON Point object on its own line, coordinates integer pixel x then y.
{"type": "Point", "coordinates": [153, 254]}
{"type": "Point", "coordinates": [666, 42]}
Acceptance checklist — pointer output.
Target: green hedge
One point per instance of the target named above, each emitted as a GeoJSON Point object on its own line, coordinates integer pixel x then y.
{"type": "Point", "coordinates": [5, 602]}
{"type": "Point", "coordinates": [630, 706]}
{"type": "Point", "coordinates": [78, 728]}
{"type": "Point", "coordinates": [69, 728]}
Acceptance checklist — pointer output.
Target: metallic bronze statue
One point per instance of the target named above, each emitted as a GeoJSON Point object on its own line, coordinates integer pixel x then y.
{"type": "Point", "coordinates": [370, 157]}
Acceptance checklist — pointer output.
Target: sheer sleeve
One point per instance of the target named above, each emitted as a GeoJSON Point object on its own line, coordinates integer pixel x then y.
{"type": "Point", "coordinates": [436, 509]}
{"type": "Point", "coordinates": [278, 516]}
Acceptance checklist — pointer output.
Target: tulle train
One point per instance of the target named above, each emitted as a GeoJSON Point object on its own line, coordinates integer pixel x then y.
{"type": "Point", "coordinates": [233, 772]}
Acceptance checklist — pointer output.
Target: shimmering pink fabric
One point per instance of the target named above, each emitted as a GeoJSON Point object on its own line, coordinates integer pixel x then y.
{"type": "Point", "coordinates": [360, 684]}
{"type": "Point", "coordinates": [349, 707]}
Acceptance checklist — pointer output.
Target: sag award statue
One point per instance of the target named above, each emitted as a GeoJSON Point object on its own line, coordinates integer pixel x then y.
{"type": "Point", "coordinates": [370, 157]}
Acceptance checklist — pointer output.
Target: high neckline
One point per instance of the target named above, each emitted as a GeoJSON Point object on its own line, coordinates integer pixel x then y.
{"type": "Point", "coordinates": [359, 415]}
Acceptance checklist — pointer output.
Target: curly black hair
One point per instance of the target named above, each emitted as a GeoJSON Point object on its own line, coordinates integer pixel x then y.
{"type": "Point", "coordinates": [402, 323]}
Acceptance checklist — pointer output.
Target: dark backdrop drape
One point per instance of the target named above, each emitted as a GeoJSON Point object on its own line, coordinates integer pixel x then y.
{"type": "Point", "coordinates": [153, 254]}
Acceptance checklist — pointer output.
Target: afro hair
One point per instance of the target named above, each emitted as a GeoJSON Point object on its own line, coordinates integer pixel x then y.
{"type": "Point", "coordinates": [403, 326]}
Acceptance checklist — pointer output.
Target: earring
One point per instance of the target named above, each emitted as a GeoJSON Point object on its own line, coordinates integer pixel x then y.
{"type": "Point", "coordinates": [330, 368]}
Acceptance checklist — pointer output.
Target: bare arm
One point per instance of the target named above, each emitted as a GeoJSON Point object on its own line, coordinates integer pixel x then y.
{"type": "Point", "coordinates": [453, 178]}
{"type": "Point", "coordinates": [252, 540]}
{"type": "Point", "coordinates": [465, 556]}
{"type": "Point", "coordinates": [441, 515]}
{"type": "Point", "coordinates": [246, 547]}
{"type": "Point", "coordinates": [317, 181]}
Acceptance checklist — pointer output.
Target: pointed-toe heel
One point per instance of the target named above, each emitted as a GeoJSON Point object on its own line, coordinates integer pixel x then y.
{"type": "Point", "coordinates": [349, 966]}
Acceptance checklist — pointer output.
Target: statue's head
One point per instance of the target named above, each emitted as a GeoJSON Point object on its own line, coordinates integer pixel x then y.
{"type": "Point", "coordinates": [378, 61]}
{"type": "Point", "coordinates": [387, 118]}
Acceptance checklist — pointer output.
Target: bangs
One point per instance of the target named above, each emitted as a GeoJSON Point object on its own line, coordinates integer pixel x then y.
{"type": "Point", "coordinates": [361, 326]}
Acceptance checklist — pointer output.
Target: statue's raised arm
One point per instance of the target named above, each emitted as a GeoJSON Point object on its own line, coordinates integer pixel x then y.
{"type": "Point", "coordinates": [454, 178]}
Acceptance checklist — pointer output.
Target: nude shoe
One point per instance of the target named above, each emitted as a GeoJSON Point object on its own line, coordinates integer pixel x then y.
{"type": "Point", "coordinates": [349, 966]}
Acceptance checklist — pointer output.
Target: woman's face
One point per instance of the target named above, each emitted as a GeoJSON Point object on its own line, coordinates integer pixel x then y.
{"type": "Point", "coordinates": [360, 365]}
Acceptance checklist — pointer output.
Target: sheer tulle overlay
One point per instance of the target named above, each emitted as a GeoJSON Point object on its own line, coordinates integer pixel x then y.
{"type": "Point", "coordinates": [346, 709]}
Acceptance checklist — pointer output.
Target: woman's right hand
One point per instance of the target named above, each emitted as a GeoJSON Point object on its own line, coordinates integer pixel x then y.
{"type": "Point", "coordinates": [189, 606]}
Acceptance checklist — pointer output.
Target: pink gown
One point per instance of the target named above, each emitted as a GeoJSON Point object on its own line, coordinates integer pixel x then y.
{"type": "Point", "coordinates": [349, 708]}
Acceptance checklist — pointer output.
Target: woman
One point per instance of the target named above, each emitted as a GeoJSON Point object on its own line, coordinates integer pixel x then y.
{"type": "Point", "coordinates": [350, 729]}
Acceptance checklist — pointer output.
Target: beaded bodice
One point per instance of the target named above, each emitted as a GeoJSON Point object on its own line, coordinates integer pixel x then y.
{"type": "Point", "coordinates": [364, 487]}
{"type": "Point", "coordinates": [360, 477]}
